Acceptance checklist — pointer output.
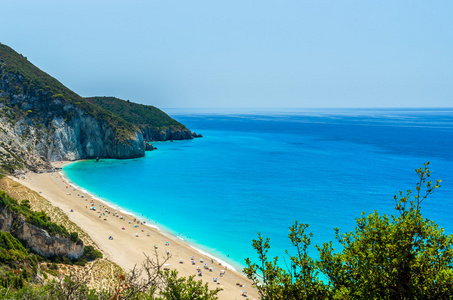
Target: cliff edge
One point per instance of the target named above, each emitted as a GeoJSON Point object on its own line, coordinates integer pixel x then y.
{"type": "Point", "coordinates": [36, 230]}
{"type": "Point", "coordinates": [154, 124]}
{"type": "Point", "coordinates": [42, 121]}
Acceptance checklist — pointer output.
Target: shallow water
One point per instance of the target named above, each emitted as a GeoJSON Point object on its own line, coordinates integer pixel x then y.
{"type": "Point", "coordinates": [260, 171]}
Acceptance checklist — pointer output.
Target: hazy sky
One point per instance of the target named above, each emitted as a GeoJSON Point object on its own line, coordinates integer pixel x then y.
{"type": "Point", "coordinates": [242, 53]}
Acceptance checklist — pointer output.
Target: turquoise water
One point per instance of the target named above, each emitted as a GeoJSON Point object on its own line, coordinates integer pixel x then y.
{"type": "Point", "coordinates": [258, 172]}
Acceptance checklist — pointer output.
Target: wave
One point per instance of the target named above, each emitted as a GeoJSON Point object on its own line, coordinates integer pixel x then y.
{"type": "Point", "coordinates": [221, 262]}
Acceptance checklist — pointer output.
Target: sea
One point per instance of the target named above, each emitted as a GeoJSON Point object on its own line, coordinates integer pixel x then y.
{"type": "Point", "coordinates": [258, 171]}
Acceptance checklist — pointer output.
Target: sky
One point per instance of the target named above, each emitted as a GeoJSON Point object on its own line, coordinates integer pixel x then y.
{"type": "Point", "coordinates": [242, 53]}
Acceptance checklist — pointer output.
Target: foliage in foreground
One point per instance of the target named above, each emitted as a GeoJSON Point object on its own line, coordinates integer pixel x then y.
{"type": "Point", "coordinates": [404, 256]}
{"type": "Point", "coordinates": [149, 281]}
{"type": "Point", "coordinates": [23, 277]}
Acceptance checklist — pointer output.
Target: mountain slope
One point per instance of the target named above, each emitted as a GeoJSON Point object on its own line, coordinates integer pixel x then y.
{"type": "Point", "coordinates": [154, 123]}
{"type": "Point", "coordinates": [43, 121]}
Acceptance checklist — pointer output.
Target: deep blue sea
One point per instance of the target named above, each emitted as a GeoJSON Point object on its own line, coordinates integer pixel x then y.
{"type": "Point", "coordinates": [259, 171]}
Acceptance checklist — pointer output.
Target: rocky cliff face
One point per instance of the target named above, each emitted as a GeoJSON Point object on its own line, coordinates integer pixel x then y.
{"type": "Point", "coordinates": [42, 121]}
{"type": "Point", "coordinates": [150, 134]}
{"type": "Point", "coordinates": [37, 238]}
{"type": "Point", "coordinates": [57, 138]}
{"type": "Point", "coordinates": [86, 137]}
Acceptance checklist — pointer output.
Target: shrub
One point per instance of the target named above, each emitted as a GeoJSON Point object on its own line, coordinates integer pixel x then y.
{"type": "Point", "coordinates": [89, 253]}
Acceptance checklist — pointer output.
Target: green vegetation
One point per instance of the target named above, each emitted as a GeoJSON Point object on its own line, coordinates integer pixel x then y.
{"type": "Point", "coordinates": [19, 267]}
{"type": "Point", "coordinates": [143, 116]}
{"type": "Point", "coordinates": [89, 253]}
{"type": "Point", "coordinates": [22, 272]}
{"type": "Point", "coordinates": [16, 264]}
{"type": "Point", "coordinates": [25, 78]}
{"type": "Point", "coordinates": [7, 241]}
{"type": "Point", "coordinates": [186, 288]}
{"type": "Point", "coordinates": [39, 219]}
{"type": "Point", "coordinates": [398, 257]}
{"type": "Point", "coordinates": [147, 282]}
{"type": "Point", "coordinates": [70, 287]}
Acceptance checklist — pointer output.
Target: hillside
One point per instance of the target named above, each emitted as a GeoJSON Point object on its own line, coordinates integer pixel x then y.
{"type": "Point", "coordinates": [31, 245]}
{"type": "Point", "coordinates": [42, 121]}
{"type": "Point", "coordinates": [153, 122]}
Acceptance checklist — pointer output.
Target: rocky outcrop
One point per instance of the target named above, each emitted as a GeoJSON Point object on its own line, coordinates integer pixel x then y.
{"type": "Point", "coordinates": [150, 134]}
{"type": "Point", "coordinates": [81, 137]}
{"type": "Point", "coordinates": [196, 135]}
{"type": "Point", "coordinates": [37, 238]}
{"type": "Point", "coordinates": [43, 121]}
{"type": "Point", "coordinates": [149, 147]}
{"type": "Point", "coordinates": [169, 134]}
{"type": "Point", "coordinates": [86, 137]}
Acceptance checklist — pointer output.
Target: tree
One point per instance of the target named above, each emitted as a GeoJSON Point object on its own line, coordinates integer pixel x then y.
{"type": "Point", "coordinates": [182, 288]}
{"type": "Point", "coordinates": [404, 256]}
{"type": "Point", "coordinates": [149, 281]}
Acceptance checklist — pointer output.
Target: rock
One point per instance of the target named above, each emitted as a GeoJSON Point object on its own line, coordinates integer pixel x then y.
{"type": "Point", "coordinates": [149, 147]}
{"type": "Point", "coordinates": [42, 121]}
{"type": "Point", "coordinates": [150, 134]}
{"type": "Point", "coordinates": [37, 238]}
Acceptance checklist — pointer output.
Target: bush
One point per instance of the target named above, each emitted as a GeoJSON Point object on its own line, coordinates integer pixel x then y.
{"type": "Point", "coordinates": [8, 242]}
{"type": "Point", "coordinates": [89, 253]}
{"type": "Point", "coordinates": [402, 256]}
{"type": "Point", "coordinates": [80, 262]}
{"type": "Point", "coordinates": [74, 237]}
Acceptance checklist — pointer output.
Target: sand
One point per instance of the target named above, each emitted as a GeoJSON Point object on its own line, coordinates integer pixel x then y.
{"type": "Point", "coordinates": [129, 246]}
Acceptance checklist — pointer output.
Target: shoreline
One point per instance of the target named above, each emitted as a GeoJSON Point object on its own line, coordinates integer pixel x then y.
{"type": "Point", "coordinates": [128, 249]}
{"type": "Point", "coordinates": [161, 229]}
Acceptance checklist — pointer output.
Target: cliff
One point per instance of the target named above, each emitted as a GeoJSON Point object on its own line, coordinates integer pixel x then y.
{"type": "Point", "coordinates": [36, 230]}
{"type": "Point", "coordinates": [38, 239]}
{"type": "Point", "coordinates": [154, 124]}
{"type": "Point", "coordinates": [43, 121]}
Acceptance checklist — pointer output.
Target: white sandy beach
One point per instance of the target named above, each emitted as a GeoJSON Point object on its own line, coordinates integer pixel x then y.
{"type": "Point", "coordinates": [131, 243]}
